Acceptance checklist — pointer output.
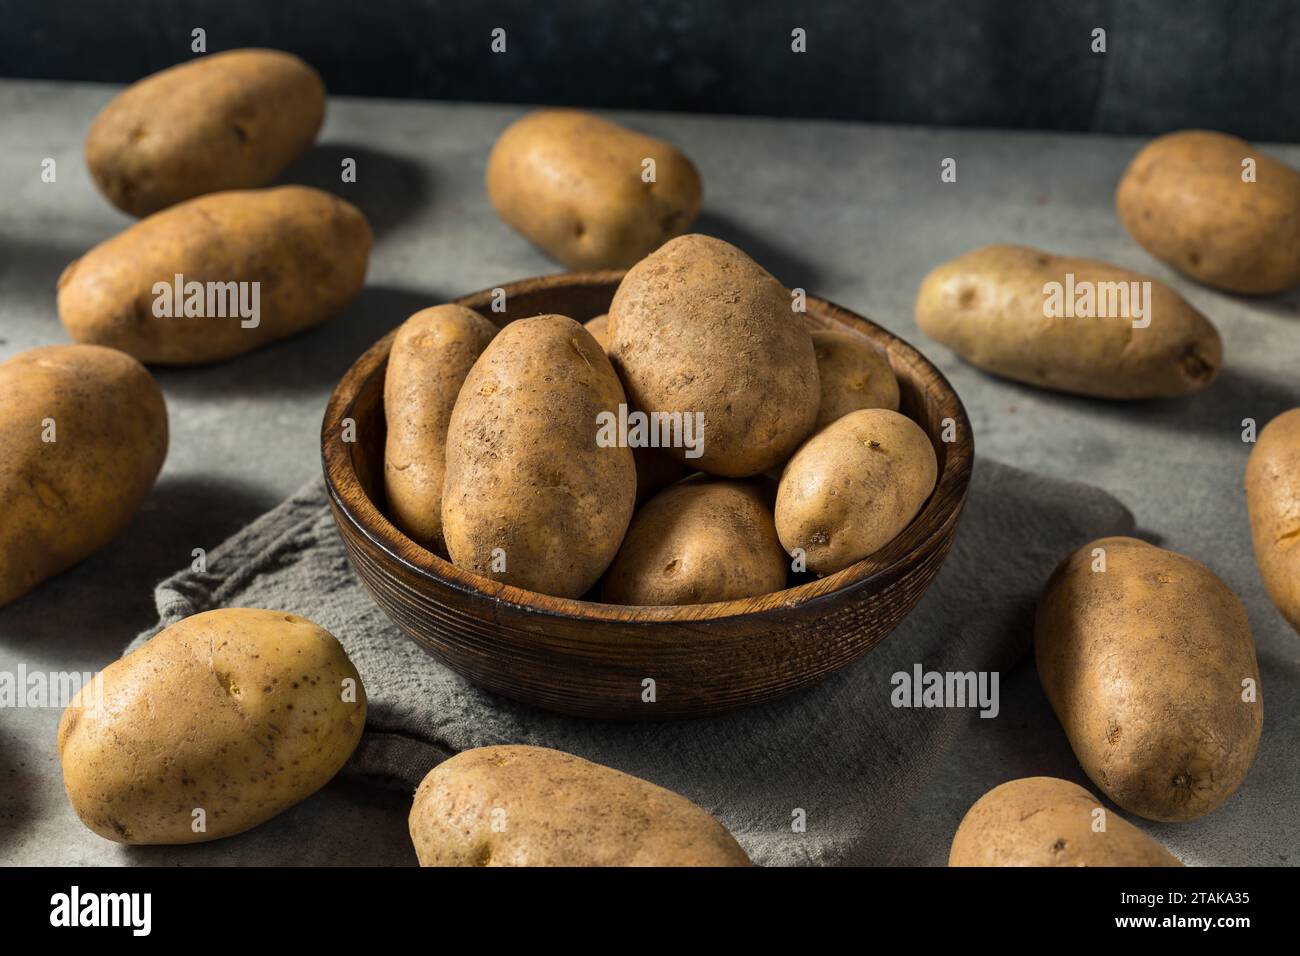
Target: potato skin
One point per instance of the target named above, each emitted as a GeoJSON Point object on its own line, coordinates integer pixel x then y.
{"type": "Point", "coordinates": [1043, 821]}
{"type": "Point", "coordinates": [230, 120]}
{"type": "Point", "coordinates": [854, 374]}
{"type": "Point", "coordinates": [524, 471]}
{"type": "Point", "coordinates": [1273, 500]}
{"type": "Point", "coordinates": [431, 355]}
{"type": "Point", "coordinates": [853, 487]}
{"type": "Point", "coordinates": [66, 499]}
{"type": "Point", "coordinates": [306, 248]}
{"type": "Point", "coordinates": [598, 326]}
{"type": "Point", "coordinates": [571, 183]}
{"type": "Point", "coordinates": [1182, 198]}
{"type": "Point", "coordinates": [239, 712]}
{"type": "Point", "coordinates": [699, 327]}
{"type": "Point", "coordinates": [656, 469]}
{"type": "Point", "coordinates": [1144, 665]}
{"type": "Point", "coordinates": [700, 540]}
{"type": "Point", "coordinates": [987, 306]}
{"type": "Point", "coordinates": [557, 810]}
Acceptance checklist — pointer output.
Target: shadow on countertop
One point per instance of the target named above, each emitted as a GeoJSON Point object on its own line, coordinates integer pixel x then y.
{"type": "Point", "coordinates": [348, 823]}
{"type": "Point", "coordinates": [93, 610]}
{"type": "Point", "coordinates": [1215, 412]}
{"type": "Point", "coordinates": [388, 189]}
{"type": "Point", "coordinates": [312, 361]}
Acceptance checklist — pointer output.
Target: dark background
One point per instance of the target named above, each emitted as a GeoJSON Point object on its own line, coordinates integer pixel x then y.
{"type": "Point", "coordinates": [1226, 65]}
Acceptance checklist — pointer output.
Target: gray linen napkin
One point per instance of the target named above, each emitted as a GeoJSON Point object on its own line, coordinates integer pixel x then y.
{"type": "Point", "coordinates": [839, 752]}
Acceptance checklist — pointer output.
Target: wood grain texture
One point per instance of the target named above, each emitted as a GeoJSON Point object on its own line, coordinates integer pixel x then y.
{"type": "Point", "coordinates": [590, 659]}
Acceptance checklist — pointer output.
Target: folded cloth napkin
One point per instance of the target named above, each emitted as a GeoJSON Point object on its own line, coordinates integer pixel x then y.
{"type": "Point", "coordinates": [812, 778]}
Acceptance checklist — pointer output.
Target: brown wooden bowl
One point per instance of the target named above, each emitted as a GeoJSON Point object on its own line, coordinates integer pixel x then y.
{"type": "Point", "coordinates": [591, 659]}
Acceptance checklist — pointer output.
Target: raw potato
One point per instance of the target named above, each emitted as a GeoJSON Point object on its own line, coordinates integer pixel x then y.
{"type": "Point", "coordinates": [599, 329]}
{"type": "Point", "coordinates": [1043, 821]}
{"type": "Point", "coordinates": [699, 327]}
{"type": "Point", "coordinates": [1183, 199]}
{"type": "Point", "coordinates": [988, 306]}
{"type": "Point", "coordinates": [854, 374]}
{"type": "Point", "coordinates": [853, 487]}
{"type": "Point", "coordinates": [230, 120]}
{"type": "Point", "coordinates": [529, 498]}
{"type": "Point", "coordinates": [307, 250]}
{"type": "Point", "coordinates": [656, 469]}
{"type": "Point", "coordinates": [530, 806]}
{"type": "Point", "coordinates": [1147, 665]}
{"type": "Point", "coordinates": [572, 184]}
{"type": "Point", "coordinates": [431, 355]}
{"type": "Point", "coordinates": [1273, 499]}
{"type": "Point", "coordinates": [701, 540]}
{"type": "Point", "coordinates": [240, 713]}
{"type": "Point", "coordinates": [64, 499]}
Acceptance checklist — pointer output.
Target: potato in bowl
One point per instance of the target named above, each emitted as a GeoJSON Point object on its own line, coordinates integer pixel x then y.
{"type": "Point", "coordinates": [595, 659]}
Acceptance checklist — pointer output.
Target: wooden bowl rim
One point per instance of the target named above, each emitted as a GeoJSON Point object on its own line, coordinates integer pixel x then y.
{"type": "Point", "coordinates": [344, 487]}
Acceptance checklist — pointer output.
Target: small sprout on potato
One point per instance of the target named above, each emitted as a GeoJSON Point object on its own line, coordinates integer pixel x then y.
{"type": "Point", "coordinates": [648, 688]}
{"type": "Point", "coordinates": [498, 820]}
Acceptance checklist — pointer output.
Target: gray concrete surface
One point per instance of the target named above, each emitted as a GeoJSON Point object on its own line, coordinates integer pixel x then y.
{"type": "Point", "coordinates": [856, 214]}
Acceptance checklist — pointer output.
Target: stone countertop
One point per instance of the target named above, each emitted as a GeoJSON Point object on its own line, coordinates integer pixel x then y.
{"type": "Point", "coordinates": [856, 214]}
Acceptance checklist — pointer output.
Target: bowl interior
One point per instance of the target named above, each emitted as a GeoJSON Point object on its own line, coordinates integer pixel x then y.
{"type": "Point", "coordinates": [354, 469]}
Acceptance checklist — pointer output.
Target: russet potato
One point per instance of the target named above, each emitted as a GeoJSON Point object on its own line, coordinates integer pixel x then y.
{"type": "Point", "coordinates": [216, 724]}
{"type": "Point", "coordinates": [302, 252]}
{"type": "Point", "coordinates": [531, 806]}
{"type": "Point", "coordinates": [1215, 208]}
{"type": "Point", "coordinates": [231, 120]}
{"type": "Point", "coordinates": [84, 433]}
{"type": "Point", "coordinates": [1148, 661]}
